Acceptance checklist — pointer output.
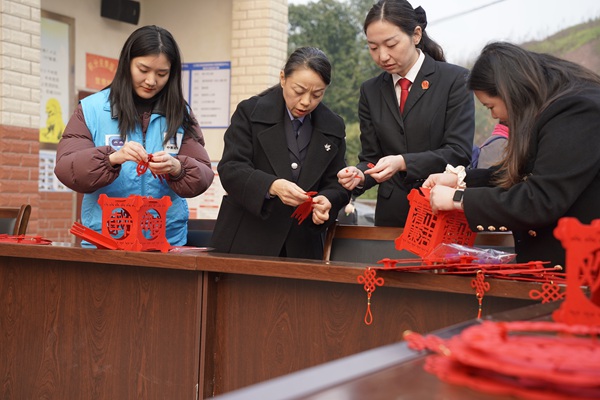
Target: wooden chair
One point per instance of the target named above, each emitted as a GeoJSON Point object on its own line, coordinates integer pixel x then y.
{"type": "Point", "coordinates": [368, 244]}
{"type": "Point", "coordinates": [199, 232]}
{"type": "Point", "coordinates": [14, 220]}
{"type": "Point", "coordinates": [363, 244]}
{"type": "Point", "coordinates": [495, 239]}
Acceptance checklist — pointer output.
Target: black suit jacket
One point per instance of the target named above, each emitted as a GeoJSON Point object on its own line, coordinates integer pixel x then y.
{"type": "Point", "coordinates": [256, 153]}
{"type": "Point", "coordinates": [561, 179]}
{"type": "Point", "coordinates": [436, 129]}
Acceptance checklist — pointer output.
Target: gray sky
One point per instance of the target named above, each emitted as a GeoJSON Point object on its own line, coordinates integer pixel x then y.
{"type": "Point", "coordinates": [463, 27]}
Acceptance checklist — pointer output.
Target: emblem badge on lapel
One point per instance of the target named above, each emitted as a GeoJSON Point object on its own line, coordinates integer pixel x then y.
{"type": "Point", "coordinates": [327, 147]}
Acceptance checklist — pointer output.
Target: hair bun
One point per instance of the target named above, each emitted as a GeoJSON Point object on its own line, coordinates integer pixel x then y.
{"type": "Point", "coordinates": [421, 17]}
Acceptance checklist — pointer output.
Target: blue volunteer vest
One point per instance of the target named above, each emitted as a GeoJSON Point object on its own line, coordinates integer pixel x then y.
{"type": "Point", "coordinates": [105, 132]}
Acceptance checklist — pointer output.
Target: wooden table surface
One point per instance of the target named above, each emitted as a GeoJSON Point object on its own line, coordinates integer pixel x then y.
{"type": "Point", "coordinates": [389, 372]}
{"type": "Point", "coordinates": [100, 324]}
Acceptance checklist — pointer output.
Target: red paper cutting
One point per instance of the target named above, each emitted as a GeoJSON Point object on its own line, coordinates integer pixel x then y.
{"type": "Point", "coordinates": [24, 239]}
{"type": "Point", "coordinates": [424, 231]}
{"type": "Point", "coordinates": [304, 209]}
{"type": "Point", "coordinates": [582, 247]}
{"type": "Point", "coordinates": [529, 359]}
{"type": "Point", "coordinates": [136, 223]}
{"type": "Point", "coordinates": [534, 359]}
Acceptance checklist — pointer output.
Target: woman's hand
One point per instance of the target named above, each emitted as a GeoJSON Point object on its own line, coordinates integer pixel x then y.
{"type": "Point", "coordinates": [350, 178]}
{"type": "Point", "coordinates": [288, 192]}
{"type": "Point", "coordinates": [441, 198]}
{"type": "Point", "coordinates": [163, 163]}
{"type": "Point", "coordinates": [442, 179]}
{"type": "Point", "coordinates": [386, 168]}
{"type": "Point", "coordinates": [320, 211]}
{"type": "Point", "coordinates": [130, 151]}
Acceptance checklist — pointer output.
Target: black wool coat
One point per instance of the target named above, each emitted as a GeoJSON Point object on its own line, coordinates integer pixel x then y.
{"type": "Point", "coordinates": [255, 155]}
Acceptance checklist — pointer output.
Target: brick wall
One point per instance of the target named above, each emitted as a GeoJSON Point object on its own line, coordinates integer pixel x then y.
{"type": "Point", "coordinates": [19, 105]}
{"type": "Point", "coordinates": [258, 46]}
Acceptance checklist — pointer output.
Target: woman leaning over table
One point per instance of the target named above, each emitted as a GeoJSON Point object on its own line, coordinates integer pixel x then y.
{"type": "Point", "coordinates": [268, 166]}
{"type": "Point", "coordinates": [552, 163]}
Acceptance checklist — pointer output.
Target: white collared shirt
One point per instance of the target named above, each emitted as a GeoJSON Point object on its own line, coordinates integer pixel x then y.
{"type": "Point", "coordinates": [411, 75]}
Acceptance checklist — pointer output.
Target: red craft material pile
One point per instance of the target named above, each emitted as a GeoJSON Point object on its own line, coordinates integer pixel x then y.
{"type": "Point", "coordinates": [424, 231]}
{"type": "Point", "coordinates": [23, 239]}
{"type": "Point", "coordinates": [533, 360]}
{"type": "Point", "coordinates": [540, 360]}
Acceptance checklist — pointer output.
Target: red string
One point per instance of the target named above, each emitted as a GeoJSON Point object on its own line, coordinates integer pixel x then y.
{"type": "Point", "coordinates": [368, 315]}
{"type": "Point", "coordinates": [533, 271]}
{"type": "Point", "coordinates": [370, 283]}
{"type": "Point", "coordinates": [304, 209]}
{"type": "Point", "coordinates": [142, 167]}
{"type": "Point", "coordinates": [480, 286]}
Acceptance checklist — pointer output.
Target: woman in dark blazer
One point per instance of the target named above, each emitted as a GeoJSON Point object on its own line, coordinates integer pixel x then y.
{"type": "Point", "coordinates": [436, 126]}
{"type": "Point", "coordinates": [267, 169]}
{"type": "Point", "coordinates": [552, 164]}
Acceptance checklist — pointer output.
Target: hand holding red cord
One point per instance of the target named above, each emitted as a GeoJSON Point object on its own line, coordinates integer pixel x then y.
{"type": "Point", "coordinates": [142, 167]}
{"type": "Point", "coordinates": [304, 209]}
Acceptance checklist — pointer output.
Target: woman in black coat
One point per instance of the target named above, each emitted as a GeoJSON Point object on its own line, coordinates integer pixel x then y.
{"type": "Point", "coordinates": [551, 167]}
{"type": "Point", "coordinates": [267, 169]}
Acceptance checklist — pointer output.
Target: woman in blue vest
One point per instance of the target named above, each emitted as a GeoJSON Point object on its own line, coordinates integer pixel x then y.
{"type": "Point", "coordinates": [141, 117]}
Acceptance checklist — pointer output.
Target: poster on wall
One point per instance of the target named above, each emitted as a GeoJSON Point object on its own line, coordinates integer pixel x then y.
{"type": "Point", "coordinates": [206, 88]}
{"type": "Point", "coordinates": [99, 71]}
{"type": "Point", "coordinates": [47, 181]}
{"type": "Point", "coordinates": [56, 82]}
{"type": "Point", "coordinates": [206, 206]}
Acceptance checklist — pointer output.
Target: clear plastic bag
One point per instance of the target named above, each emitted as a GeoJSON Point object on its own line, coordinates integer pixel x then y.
{"type": "Point", "coordinates": [450, 252]}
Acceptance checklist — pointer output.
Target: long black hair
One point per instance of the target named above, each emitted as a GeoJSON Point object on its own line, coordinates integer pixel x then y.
{"type": "Point", "coordinates": [144, 41]}
{"type": "Point", "coordinates": [402, 14]}
{"type": "Point", "coordinates": [527, 82]}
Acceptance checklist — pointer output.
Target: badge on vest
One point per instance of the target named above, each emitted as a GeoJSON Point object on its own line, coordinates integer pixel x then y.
{"type": "Point", "coordinates": [174, 144]}
{"type": "Point", "coordinates": [114, 141]}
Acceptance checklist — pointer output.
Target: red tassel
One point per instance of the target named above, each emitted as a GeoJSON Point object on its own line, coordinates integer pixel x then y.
{"type": "Point", "coordinates": [303, 210]}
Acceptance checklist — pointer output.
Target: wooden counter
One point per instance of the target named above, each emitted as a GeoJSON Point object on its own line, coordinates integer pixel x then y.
{"type": "Point", "coordinates": [100, 324]}
{"type": "Point", "coordinates": [388, 372]}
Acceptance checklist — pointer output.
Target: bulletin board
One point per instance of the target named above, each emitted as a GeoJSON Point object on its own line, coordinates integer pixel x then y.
{"type": "Point", "coordinates": [206, 88]}
{"type": "Point", "coordinates": [57, 82]}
